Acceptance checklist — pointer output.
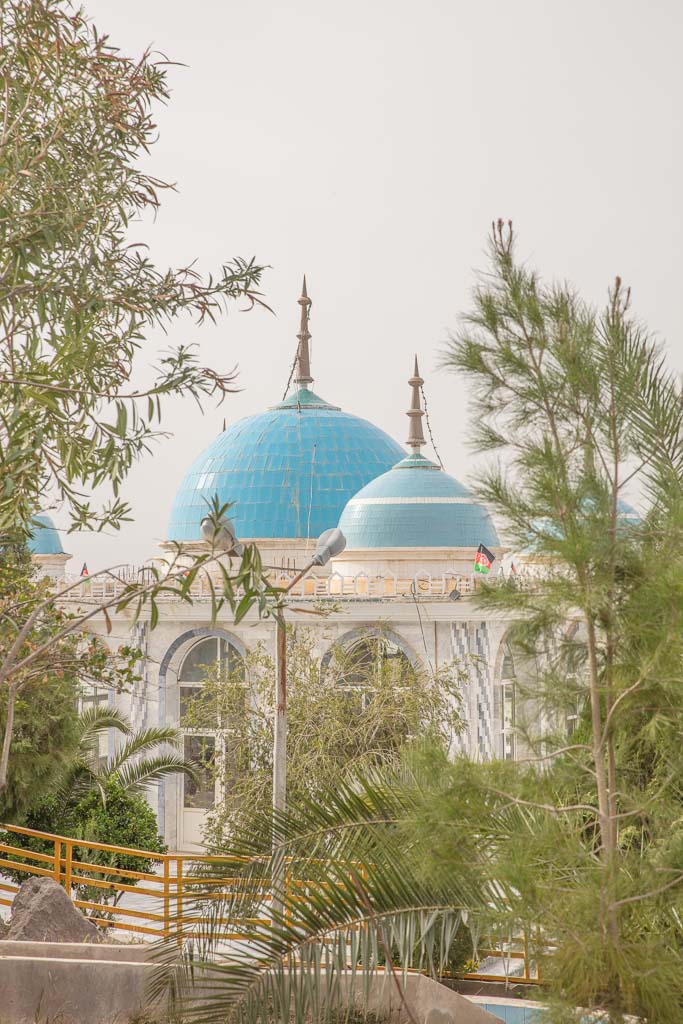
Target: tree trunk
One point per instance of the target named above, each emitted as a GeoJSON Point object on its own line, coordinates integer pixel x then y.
{"type": "Point", "coordinates": [602, 773]}
{"type": "Point", "coordinates": [7, 738]}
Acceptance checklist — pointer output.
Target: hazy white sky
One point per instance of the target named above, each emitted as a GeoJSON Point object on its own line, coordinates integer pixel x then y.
{"type": "Point", "coordinates": [370, 144]}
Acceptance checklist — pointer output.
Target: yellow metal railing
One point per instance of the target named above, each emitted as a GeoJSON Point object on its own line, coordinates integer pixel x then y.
{"type": "Point", "coordinates": [165, 899]}
{"type": "Point", "coordinates": [158, 897]}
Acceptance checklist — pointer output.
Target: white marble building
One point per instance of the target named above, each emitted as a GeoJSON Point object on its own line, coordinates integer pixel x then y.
{"type": "Point", "coordinates": [406, 574]}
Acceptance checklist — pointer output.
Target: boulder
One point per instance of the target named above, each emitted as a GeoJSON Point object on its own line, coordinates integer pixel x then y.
{"type": "Point", "coordinates": [42, 912]}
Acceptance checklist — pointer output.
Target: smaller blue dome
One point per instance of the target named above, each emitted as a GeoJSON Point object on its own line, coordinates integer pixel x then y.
{"type": "Point", "coordinates": [44, 539]}
{"type": "Point", "coordinates": [416, 505]}
{"type": "Point", "coordinates": [550, 531]}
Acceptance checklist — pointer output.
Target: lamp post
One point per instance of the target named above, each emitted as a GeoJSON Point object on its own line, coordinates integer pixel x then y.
{"type": "Point", "coordinates": [330, 543]}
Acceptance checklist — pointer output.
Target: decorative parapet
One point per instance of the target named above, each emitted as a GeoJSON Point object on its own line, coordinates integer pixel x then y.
{"type": "Point", "coordinates": [362, 587]}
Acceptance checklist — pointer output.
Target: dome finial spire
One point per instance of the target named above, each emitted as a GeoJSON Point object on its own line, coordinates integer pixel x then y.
{"type": "Point", "coordinates": [416, 438]}
{"type": "Point", "coordinates": [303, 359]}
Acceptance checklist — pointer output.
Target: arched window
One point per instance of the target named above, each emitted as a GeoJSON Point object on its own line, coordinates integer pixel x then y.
{"type": "Point", "coordinates": [210, 654]}
{"type": "Point", "coordinates": [366, 664]}
{"type": "Point", "coordinates": [507, 700]}
{"type": "Point", "coordinates": [363, 663]}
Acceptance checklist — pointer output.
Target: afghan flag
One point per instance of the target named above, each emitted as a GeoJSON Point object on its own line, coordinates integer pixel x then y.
{"type": "Point", "coordinates": [483, 559]}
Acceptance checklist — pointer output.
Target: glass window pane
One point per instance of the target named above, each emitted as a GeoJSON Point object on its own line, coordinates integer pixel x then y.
{"type": "Point", "coordinates": [94, 695]}
{"type": "Point", "coordinates": [202, 655]}
{"type": "Point", "coordinates": [508, 706]}
{"type": "Point", "coordinates": [187, 695]}
{"type": "Point", "coordinates": [200, 793]}
{"type": "Point", "coordinates": [360, 663]}
{"type": "Point", "coordinates": [232, 663]}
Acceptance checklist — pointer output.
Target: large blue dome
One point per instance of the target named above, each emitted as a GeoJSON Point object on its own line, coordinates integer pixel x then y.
{"type": "Point", "coordinates": [289, 471]}
{"type": "Point", "coordinates": [416, 505]}
{"type": "Point", "coordinates": [44, 539]}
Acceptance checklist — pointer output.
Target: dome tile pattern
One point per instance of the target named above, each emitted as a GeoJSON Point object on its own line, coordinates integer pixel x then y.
{"type": "Point", "coordinates": [416, 505]}
{"type": "Point", "coordinates": [44, 539]}
{"type": "Point", "coordinates": [289, 471]}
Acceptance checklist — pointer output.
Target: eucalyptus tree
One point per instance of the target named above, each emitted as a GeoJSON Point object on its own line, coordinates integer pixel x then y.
{"type": "Point", "coordinates": [79, 297]}
{"type": "Point", "coordinates": [78, 293]}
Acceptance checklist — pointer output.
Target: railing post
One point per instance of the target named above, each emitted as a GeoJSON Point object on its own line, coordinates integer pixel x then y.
{"type": "Point", "coordinates": [179, 900]}
{"type": "Point", "coordinates": [288, 892]}
{"type": "Point", "coordinates": [68, 853]}
{"type": "Point", "coordinates": [57, 860]}
{"type": "Point", "coordinates": [167, 897]}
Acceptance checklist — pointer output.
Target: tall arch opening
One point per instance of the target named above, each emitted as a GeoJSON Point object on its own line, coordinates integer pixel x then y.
{"type": "Point", "coordinates": [204, 743]}
{"type": "Point", "coordinates": [507, 700]}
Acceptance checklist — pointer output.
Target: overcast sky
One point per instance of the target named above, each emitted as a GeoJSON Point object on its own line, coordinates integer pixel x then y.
{"type": "Point", "coordinates": [370, 144]}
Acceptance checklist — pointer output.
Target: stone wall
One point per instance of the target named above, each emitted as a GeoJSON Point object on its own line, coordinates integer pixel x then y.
{"type": "Point", "coordinates": [77, 983]}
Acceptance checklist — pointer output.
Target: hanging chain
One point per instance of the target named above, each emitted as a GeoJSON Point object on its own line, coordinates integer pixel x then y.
{"type": "Point", "coordinates": [429, 426]}
{"type": "Point", "coordinates": [291, 374]}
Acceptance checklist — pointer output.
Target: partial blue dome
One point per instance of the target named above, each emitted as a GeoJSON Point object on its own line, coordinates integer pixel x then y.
{"type": "Point", "coordinates": [628, 518]}
{"type": "Point", "coordinates": [289, 471]}
{"type": "Point", "coordinates": [416, 505]}
{"type": "Point", "coordinates": [44, 539]}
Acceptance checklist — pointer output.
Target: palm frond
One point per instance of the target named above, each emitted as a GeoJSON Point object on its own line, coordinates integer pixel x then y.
{"type": "Point", "coordinates": [138, 774]}
{"type": "Point", "coordinates": [345, 894]}
{"type": "Point", "coordinates": [141, 742]}
{"type": "Point", "coordinates": [96, 719]}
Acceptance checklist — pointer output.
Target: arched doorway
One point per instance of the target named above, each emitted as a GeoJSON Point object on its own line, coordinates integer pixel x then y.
{"type": "Point", "coordinates": [204, 742]}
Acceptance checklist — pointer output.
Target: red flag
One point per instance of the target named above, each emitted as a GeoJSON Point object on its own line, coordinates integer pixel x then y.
{"type": "Point", "coordinates": [84, 570]}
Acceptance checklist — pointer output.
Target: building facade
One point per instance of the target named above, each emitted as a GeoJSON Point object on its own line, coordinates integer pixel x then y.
{"type": "Point", "coordinates": [405, 578]}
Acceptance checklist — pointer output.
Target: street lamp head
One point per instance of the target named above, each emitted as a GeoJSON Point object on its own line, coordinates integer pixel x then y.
{"type": "Point", "coordinates": [330, 544]}
{"type": "Point", "coordinates": [221, 535]}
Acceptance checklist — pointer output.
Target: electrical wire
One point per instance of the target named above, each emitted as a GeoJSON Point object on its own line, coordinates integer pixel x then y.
{"type": "Point", "coordinates": [429, 427]}
{"type": "Point", "coordinates": [424, 638]}
{"type": "Point", "coordinates": [291, 374]}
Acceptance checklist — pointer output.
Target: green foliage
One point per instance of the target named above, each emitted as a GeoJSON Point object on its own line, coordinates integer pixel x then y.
{"type": "Point", "coordinates": [133, 766]}
{"type": "Point", "coordinates": [79, 298]}
{"type": "Point", "coordinates": [580, 844]}
{"type": "Point", "coordinates": [581, 409]}
{"type": "Point", "coordinates": [102, 801]}
{"type": "Point", "coordinates": [121, 819]}
{"type": "Point", "coordinates": [40, 700]}
{"type": "Point", "coordinates": [369, 904]}
{"type": "Point", "coordinates": [359, 708]}
{"type": "Point", "coordinates": [78, 294]}
{"type": "Point", "coordinates": [125, 819]}
{"type": "Point", "coordinates": [45, 735]}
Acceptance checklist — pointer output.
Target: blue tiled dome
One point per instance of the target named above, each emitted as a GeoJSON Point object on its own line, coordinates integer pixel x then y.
{"type": "Point", "coordinates": [289, 471]}
{"type": "Point", "coordinates": [44, 539]}
{"type": "Point", "coordinates": [416, 505]}
{"type": "Point", "coordinates": [628, 518]}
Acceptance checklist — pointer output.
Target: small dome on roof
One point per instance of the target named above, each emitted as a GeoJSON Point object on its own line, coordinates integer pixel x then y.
{"type": "Point", "coordinates": [44, 539]}
{"type": "Point", "coordinates": [549, 531]}
{"type": "Point", "coordinates": [416, 505]}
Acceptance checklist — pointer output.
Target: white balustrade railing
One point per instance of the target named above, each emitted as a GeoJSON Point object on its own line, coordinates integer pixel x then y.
{"type": "Point", "coordinates": [334, 586]}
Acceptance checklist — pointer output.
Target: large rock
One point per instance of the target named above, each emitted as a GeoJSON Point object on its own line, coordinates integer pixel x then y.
{"type": "Point", "coordinates": [42, 912]}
